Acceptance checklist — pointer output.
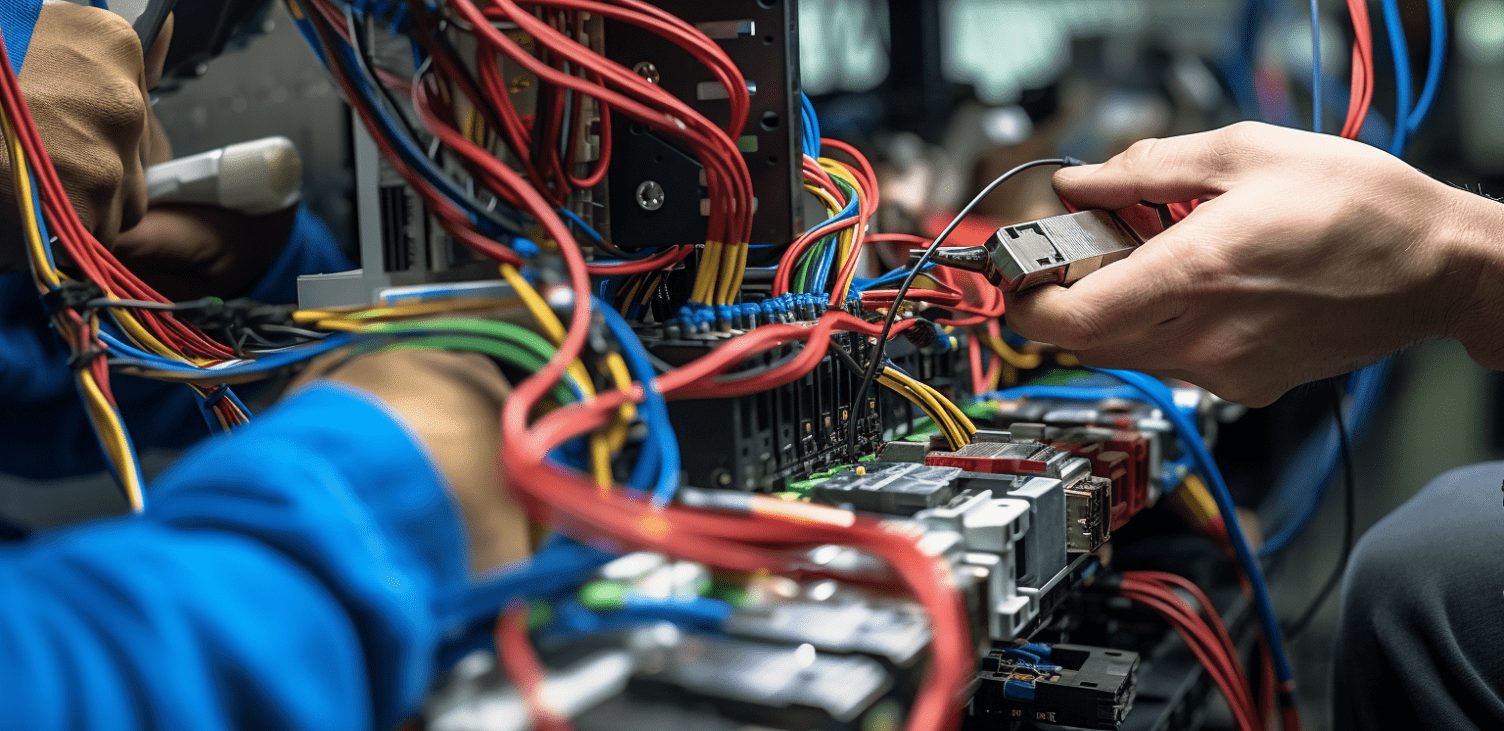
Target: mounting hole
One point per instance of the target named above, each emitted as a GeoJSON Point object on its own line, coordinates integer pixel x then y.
{"type": "Point", "coordinates": [770, 121]}
{"type": "Point", "coordinates": [657, 158]}
{"type": "Point", "coordinates": [767, 40]}
{"type": "Point", "coordinates": [637, 129]}
{"type": "Point", "coordinates": [766, 3]}
{"type": "Point", "coordinates": [772, 159]}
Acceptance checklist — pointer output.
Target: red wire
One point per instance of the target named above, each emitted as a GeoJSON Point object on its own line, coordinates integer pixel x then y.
{"type": "Point", "coordinates": [92, 258]}
{"type": "Point", "coordinates": [974, 356]}
{"type": "Point", "coordinates": [1362, 69]}
{"type": "Point", "coordinates": [516, 657]}
{"type": "Point", "coordinates": [1199, 638]}
{"type": "Point", "coordinates": [717, 152]}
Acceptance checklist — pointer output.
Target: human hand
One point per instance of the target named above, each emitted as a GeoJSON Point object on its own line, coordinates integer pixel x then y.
{"type": "Point", "coordinates": [1310, 256]}
{"type": "Point", "coordinates": [452, 403]}
{"type": "Point", "coordinates": [187, 251]}
{"type": "Point", "coordinates": [85, 80]}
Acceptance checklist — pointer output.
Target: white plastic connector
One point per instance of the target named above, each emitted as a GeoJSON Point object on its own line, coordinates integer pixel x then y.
{"type": "Point", "coordinates": [257, 177]}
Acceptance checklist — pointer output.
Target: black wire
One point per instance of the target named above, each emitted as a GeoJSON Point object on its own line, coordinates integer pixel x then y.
{"type": "Point", "coordinates": [359, 38]}
{"type": "Point", "coordinates": [903, 289]}
{"type": "Point", "coordinates": [1349, 520]}
{"type": "Point", "coordinates": [337, 66]}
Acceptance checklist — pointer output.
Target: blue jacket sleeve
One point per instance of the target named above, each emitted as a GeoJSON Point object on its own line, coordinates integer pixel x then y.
{"type": "Point", "coordinates": [290, 576]}
{"type": "Point", "coordinates": [44, 432]}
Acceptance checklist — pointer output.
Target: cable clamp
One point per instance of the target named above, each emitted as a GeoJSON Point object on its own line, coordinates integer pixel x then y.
{"type": "Point", "coordinates": [71, 295]}
{"type": "Point", "coordinates": [80, 361]}
{"type": "Point", "coordinates": [213, 398]}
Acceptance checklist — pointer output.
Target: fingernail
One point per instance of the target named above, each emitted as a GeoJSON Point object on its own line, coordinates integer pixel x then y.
{"type": "Point", "coordinates": [1076, 172]}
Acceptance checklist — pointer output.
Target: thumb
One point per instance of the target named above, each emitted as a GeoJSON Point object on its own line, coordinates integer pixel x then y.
{"type": "Point", "coordinates": [156, 56]}
{"type": "Point", "coordinates": [155, 147]}
{"type": "Point", "coordinates": [1168, 170]}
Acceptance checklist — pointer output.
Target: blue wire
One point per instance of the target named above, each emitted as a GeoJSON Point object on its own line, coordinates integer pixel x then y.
{"type": "Point", "coordinates": [1073, 393]}
{"type": "Point", "coordinates": [1238, 69]}
{"type": "Point", "coordinates": [654, 409]}
{"type": "Point", "coordinates": [580, 222]}
{"type": "Point", "coordinates": [1401, 55]}
{"type": "Point", "coordinates": [36, 204]}
{"type": "Point", "coordinates": [1316, 76]}
{"type": "Point", "coordinates": [1189, 436]}
{"type": "Point", "coordinates": [1438, 15]}
{"type": "Point", "coordinates": [404, 144]}
{"type": "Point", "coordinates": [822, 268]}
{"type": "Point", "coordinates": [811, 126]}
{"type": "Point", "coordinates": [560, 565]}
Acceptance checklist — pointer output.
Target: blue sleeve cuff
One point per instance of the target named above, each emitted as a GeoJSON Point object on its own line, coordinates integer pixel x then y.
{"type": "Point", "coordinates": [332, 480]}
{"type": "Point", "coordinates": [18, 18]}
{"type": "Point", "coordinates": [311, 249]}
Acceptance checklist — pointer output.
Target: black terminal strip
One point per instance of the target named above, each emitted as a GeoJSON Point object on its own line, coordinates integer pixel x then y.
{"type": "Point", "coordinates": [1063, 685]}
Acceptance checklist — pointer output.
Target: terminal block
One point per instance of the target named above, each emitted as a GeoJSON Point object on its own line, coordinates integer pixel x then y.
{"type": "Point", "coordinates": [1065, 685]}
{"type": "Point", "coordinates": [1013, 458]}
{"type": "Point", "coordinates": [892, 630]}
{"type": "Point", "coordinates": [1120, 456]}
{"type": "Point", "coordinates": [980, 534]}
{"type": "Point", "coordinates": [1041, 555]}
{"type": "Point", "coordinates": [773, 685]}
{"type": "Point", "coordinates": [893, 488]}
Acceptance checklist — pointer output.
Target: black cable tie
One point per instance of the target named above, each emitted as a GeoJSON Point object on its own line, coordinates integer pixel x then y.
{"type": "Point", "coordinates": [71, 296]}
{"type": "Point", "coordinates": [80, 361]}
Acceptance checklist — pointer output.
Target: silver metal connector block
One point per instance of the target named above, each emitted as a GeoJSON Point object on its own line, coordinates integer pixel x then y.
{"type": "Point", "coordinates": [1055, 250]}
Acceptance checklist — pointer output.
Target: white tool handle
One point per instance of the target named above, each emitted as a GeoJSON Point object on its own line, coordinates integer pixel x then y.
{"type": "Point", "coordinates": [256, 177]}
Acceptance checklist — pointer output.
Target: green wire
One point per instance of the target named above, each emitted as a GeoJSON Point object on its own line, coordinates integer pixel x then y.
{"type": "Point", "coordinates": [487, 346]}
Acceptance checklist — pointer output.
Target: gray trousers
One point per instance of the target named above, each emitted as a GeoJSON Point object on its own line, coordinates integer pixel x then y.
{"type": "Point", "coordinates": [1420, 634]}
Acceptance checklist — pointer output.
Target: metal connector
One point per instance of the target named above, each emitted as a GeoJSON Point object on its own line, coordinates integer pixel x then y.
{"type": "Point", "coordinates": [1055, 250]}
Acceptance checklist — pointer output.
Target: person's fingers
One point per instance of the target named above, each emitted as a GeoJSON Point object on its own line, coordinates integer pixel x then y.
{"type": "Point", "coordinates": [188, 251]}
{"type": "Point", "coordinates": [1141, 353]}
{"type": "Point", "coordinates": [156, 57]}
{"type": "Point", "coordinates": [1105, 307]}
{"type": "Point", "coordinates": [155, 147]}
{"type": "Point", "coordinates": [1167, 170]}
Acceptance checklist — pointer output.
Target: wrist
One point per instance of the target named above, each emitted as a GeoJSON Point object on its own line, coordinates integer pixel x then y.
{"type": "Point", "coordinates": [1469, 229]}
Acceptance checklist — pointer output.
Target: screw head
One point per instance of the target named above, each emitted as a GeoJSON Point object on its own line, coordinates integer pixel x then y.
{"type": "Point", "coordinates": [648, 71]}
{"type": "Point", "coordinates": [650, 195]}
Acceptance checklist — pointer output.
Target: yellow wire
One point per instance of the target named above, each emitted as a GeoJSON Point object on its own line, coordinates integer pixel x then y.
{"type": "Point", "coordinates": [825, 197]}
{"type": "Point", "coordinates": [647, 293]}
{"type": "Point", "coordinates": [847, 238]}
{"type": "Point", "coordinates": [1021, 361]}
{"type": "Point", "coordinates": [600, 442]}
{"type": "Point", "coordinates": [416, 309]}
{"type": "Point", "coordinates": [622, 377]}
{"type": "Point", "coordinates": [1197, 499]}
{"type": "Point", "coordinates": [911, 390]}
{"type": "Point", "coordinates": [730, 255]}
{"type": "Point", "coordinates": [112, 436]}
{"type": "Point", "coordinates": [710, 261]}
{"type": "Point", "coordinates": [36, 247]}
{"type": "Point", "coordinates": [626, 302]}
{"type": "Point", "coordinates": [956, 413]}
